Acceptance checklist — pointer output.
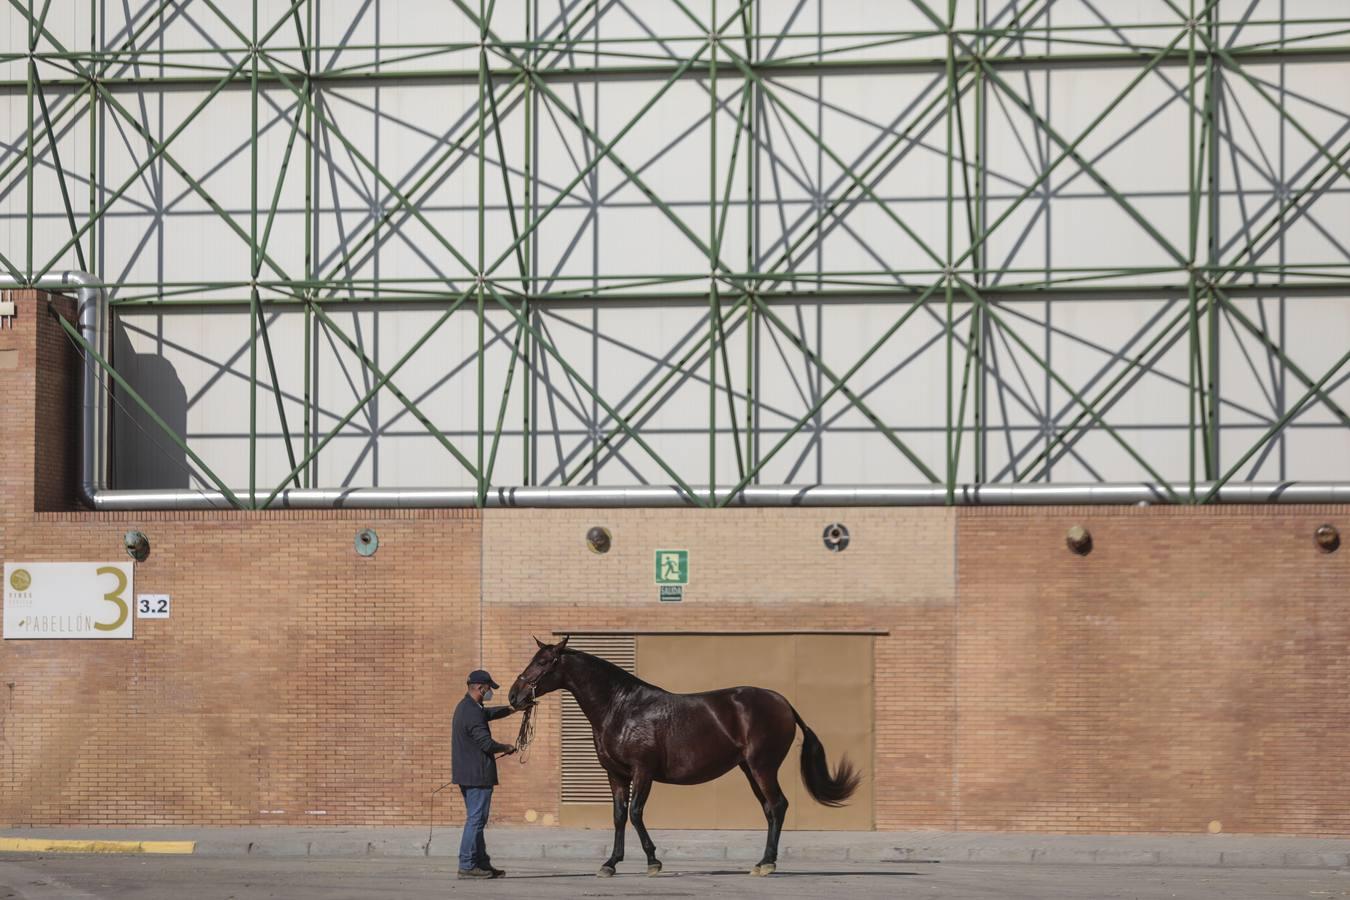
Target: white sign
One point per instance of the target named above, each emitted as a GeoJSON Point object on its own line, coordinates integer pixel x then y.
{"type": "Point", "coordinates": [152, 606]}
{"type": "Point", "coordinates": [68, 600]}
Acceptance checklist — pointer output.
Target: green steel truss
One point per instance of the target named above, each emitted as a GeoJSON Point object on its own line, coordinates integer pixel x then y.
{"type": "Point", "coordinates": [977, 81]}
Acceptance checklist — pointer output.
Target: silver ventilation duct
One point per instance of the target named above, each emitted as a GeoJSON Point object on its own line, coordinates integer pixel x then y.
{"type": "Point", "coordinates": [670, 496]}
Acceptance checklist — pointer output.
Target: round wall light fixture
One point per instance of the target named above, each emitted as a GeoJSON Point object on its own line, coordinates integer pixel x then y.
{"type": "Point", "coordinates": [137, 545]}
{"type": "Point", "coordinates": [835, 537]}
{"type": "Point", "coordinates": [1328, 538]}
{"type": "Point", "coordinates": [599, 540]}
{"type": "Point", "coordinates": [1079, 540]}
{"type": "Point", "coordinates": [366, 542]}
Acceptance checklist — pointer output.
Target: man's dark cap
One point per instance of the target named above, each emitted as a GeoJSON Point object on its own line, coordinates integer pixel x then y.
{"type": "Point", "coordinates": [478, 676]}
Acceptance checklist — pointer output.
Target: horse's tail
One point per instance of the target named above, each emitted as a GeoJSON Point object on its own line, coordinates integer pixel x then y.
{"type": "Point", "coordinates": [824, 788]}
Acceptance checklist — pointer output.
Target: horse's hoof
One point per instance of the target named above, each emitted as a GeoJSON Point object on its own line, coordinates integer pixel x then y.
{"type": "Point", "coordinates": [654, 869]}
{"type": "Point", "coordinates": [605, 872]}
{"type": "Point", "coordinates": [764, 869]}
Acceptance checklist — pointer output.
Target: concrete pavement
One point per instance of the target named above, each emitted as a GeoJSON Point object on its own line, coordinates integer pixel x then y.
{"type": "Point", "coordinates": [546, 843]}
{"type": "Point", "coordinates": [74, 877]}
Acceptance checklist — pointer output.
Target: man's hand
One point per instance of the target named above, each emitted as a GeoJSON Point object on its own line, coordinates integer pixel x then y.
{"type": "Point", "coordinates": [509, 751]}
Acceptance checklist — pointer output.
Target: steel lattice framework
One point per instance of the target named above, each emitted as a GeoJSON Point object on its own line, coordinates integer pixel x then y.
{"type": "Point", "coordinates": [945, 198]}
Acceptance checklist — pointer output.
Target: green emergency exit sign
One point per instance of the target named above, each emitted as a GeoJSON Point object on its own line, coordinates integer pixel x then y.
{"type": "Point", "coordinates": [672, 566]}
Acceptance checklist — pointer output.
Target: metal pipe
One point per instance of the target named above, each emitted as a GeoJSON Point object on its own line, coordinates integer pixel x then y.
{"type": "Point", "coordinates": [671, 496]}
{"type": "Point", "coordinates": [93, 313]}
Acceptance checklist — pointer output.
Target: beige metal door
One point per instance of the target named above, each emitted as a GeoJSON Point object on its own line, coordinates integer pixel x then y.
{"type": "Point", "coordinates": [827, 677]}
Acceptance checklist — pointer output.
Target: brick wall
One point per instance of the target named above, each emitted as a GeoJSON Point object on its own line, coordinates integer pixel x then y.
{"type": "Point", "coordinates": [1190, 671]}
{"type": "Point", "coordinates": [56, 450]}
{"type": "Point", "coordinates": [750, 570]}
{"type": "Point", "coordinates": [40, 424]}
{"type": "Point", "coordinates": [295, 682]}
{"type": "Point", "coordinates": [18, 379]}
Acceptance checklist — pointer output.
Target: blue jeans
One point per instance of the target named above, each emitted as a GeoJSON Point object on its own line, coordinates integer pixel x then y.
{"type": "Point", "coordinates": [472, 849]}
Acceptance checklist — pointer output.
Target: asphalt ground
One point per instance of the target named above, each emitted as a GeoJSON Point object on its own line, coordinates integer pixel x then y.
{"type": "Point", "coordinates": [117, 877]}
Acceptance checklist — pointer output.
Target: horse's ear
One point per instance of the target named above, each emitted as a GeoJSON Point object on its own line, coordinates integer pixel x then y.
{"type": "Point", "coordinates": [563, 642]}
{"type": "Point", "coordinates": [541, 644]}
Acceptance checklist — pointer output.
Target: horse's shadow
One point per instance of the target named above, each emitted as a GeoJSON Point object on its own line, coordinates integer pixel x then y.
{"type": "Point", "coordinates": [781, 874]}
{"type": "Point", "coordinates": [739, 872]}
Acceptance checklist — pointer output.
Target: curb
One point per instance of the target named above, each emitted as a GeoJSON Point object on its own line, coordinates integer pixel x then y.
{"type": "Point", "coordinates": [573, 851]}
{"type": "Point", "coordinates": [43, 845]}
{"type": "Point", "coordinates": [898, 849]}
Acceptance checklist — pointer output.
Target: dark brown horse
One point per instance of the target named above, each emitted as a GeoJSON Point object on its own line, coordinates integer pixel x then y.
{"type": "Point", "coordinates": [645, 734]}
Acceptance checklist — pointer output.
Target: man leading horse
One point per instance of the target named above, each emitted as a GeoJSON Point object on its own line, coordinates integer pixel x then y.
{"type": "Point", "coordinates": [473, 766]}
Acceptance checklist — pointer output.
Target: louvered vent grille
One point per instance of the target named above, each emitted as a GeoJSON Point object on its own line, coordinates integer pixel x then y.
{"type": "Point", "coordinates": [583, 780]}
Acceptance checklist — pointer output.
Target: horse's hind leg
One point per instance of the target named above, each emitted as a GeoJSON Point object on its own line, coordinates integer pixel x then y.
{"type": "Point", "coordinates": [764, 782]}
{"type": "Point", "coordinates": [620, 789]}
{"type": "Point", "coordinates": [642, 786]}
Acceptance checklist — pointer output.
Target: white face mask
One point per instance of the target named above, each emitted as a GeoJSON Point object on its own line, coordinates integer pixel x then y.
{"type": "Point", "coordinates": [487, 695]}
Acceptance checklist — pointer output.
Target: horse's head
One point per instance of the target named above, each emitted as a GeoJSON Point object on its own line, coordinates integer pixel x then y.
{"type": "Point", "coordinates": [541, 676]}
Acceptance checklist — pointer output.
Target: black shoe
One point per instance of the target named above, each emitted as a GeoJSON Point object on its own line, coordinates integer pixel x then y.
{"type": "Point", "coordinates": [476, 873]}
{"type": "Point", "coordinates": [487, 865]}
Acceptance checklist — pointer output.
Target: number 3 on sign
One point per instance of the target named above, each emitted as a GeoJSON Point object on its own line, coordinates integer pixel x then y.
{"type": "Point", "coordinates": [115, 597]}
{"type": "Point", "coordinates": [152, 606]}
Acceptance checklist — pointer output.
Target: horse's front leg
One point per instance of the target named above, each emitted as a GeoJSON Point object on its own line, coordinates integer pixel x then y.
{"type": "Point", "coordinates": [620, 788]}
{"type": "Point", "coordinates": [642, 786]}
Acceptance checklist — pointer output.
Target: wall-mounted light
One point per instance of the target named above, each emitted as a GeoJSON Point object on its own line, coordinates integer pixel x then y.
{"type": "Point", "coordinates": [599, 540]}
{"type": "Point", "coordinates": [1328, 538]}
{"type": "Point", "coordinates": [1079, 540]}
{"type": "Point", "coordinates": [367, 542]}
{"type": "Point", "coordinates": [835, 537]}
{"type": "Point", "coordinates": [137, 545]}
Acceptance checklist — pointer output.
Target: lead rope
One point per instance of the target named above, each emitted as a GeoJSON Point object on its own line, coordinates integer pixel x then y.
{"type": "Point", "coordinates": [526, 735]}
{"type": "Point", "coordinates": [431, 813]}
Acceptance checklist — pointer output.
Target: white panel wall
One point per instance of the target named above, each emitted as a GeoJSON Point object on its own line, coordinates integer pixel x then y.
{"type": "Point", "coordinates": [815, 138]}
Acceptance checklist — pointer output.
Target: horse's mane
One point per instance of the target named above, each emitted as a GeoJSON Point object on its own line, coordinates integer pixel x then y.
{"type": "Point", "coordinates": [616, 673]}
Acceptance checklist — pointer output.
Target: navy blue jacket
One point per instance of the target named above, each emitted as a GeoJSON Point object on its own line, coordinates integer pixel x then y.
{"type": "Point", "coordinates": [472, 746]}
